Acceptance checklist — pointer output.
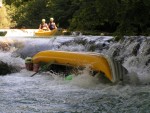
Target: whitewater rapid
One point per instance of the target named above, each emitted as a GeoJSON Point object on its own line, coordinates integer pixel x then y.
{"type": "Point", "coordinates": [50, 93]}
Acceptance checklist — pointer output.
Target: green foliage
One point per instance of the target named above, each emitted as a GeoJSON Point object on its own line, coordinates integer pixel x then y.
{"type": "Point", "coordinates": [4, 20]}
{"type": "Point", "coordinates": [133, 17]}
{"type": "Point", "coordinates": [121, 17]}
{"type": "Point", "coordinates": [63, 11]}
{"type": "Point", "coordinates": [85, 18]}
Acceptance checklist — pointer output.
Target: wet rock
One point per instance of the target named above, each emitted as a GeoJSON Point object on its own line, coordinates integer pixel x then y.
{"type": "Point", "coordinates": [76, 33]}
{"type": "Point", "coordinates": [7, 69]}
{"type": "Point", "coordinates": [129, 46]}
{"type": "Point", "coordinates": [114, 50]}
{"type": "Point", "coordinates": [147, 62]}
{"type": "Point", "coordinates": [81, 41]}
{"type": "Point", "coordinates": [3, 33]}
{"type": "Point", "coordinates": [4, 46]}
{"type": "Point", "coordinates": [135, 49]}
{"type": "Point", "coordinates": [145, 50]}
{"type": "Point", "coordinates": [91, 48]}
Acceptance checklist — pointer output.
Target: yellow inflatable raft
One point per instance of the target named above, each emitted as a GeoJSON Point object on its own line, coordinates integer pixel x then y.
{"type": "Point", "coordinates": [98, 62]}
{"type": "Point", "coordinates": [45, 33]}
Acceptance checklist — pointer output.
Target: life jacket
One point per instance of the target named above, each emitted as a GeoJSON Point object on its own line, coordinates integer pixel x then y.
{"type": "Point", "coordinates": [43, 26]}
{"type": "Point", "coordinates": [51, 25]}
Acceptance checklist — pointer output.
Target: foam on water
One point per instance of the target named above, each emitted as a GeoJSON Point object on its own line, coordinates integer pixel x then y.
{"type": "Point", "coordinates": [7, 58]}
{"type": "Point", "coordinates": [20, 32]}
{"type": "Point", "coordinates": [137, 69]}
{"type": "Point", "coordinates": [30, 46]}
{"type": "Point", "coordinates": [48, 92]}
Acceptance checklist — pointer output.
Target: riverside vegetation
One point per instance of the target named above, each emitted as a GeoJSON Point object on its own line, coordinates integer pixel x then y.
{"type": "Point", "coordinates": [107, 17]}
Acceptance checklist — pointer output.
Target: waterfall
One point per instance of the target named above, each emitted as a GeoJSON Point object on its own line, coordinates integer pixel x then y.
{"type": "Point", "coordinates": [132, 52]}
{"type": "Point", "coordinates": [48, 91]}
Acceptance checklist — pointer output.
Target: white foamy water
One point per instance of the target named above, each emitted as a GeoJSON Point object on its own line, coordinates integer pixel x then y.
{"type": "Point", "coordinates": [19, 32]}
{"type": "Point", "coordinates": [49, 93]}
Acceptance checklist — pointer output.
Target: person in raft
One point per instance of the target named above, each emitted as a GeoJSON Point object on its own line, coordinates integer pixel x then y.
{"type": "Point", "coordinates": [44, 25]}
{"type": "Point", "coordinates": [52, 24]}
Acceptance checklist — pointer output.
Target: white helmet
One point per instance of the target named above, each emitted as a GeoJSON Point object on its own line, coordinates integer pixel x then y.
{"type": "Point", "coordinates": [43, 20]}
{"type": "Point", "coordinates": [51, 19]}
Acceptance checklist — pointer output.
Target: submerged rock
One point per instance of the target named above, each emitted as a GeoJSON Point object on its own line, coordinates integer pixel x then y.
{"type": "Point", "coordinates": [128, 47]}
{"type": "Point", "coordinates": [3, 33]}
{"type": "Point", "coordinates": [134, 55]}
{"type": "Point", "coordinates": [7, 69]}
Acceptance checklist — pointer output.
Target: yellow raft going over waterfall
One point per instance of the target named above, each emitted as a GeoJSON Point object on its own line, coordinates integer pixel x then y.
{"type": "Point", "coordinates": [97, 62]}
{"type": "Point", "coordinates": [45, 33]}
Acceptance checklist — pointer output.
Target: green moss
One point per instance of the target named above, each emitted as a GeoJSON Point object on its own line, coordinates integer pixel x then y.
{"type": "Point", "coordinates": [3, 33]}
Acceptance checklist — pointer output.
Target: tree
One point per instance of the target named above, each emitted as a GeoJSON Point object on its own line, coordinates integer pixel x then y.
{"type": "Point", "coordinates": [122, 17]}
{"type": "Point", "coordinates": [63, 11]}
{"type": "Point", "coordinates": [4, 20]}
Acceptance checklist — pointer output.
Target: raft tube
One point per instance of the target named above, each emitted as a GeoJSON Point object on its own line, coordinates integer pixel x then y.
{"type": "Point", "coordinates": [112, 69]}
{"type": "Point", "coordinates": [45, 33]}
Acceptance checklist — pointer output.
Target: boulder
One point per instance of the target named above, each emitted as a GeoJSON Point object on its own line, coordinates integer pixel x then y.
{"type": "Point", "coordinates": [6, 69]}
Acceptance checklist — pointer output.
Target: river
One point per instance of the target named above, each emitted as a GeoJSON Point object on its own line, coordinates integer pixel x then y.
{"type": "Point", "coordinates": [50, 93]}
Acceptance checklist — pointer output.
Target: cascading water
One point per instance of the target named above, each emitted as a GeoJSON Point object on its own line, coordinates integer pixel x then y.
{"type": "Point", "coordinates": [49, 93]}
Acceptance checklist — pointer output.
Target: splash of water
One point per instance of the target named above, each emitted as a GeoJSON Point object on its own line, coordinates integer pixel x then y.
{"type": "Point", "coordinates": [133, 53]}
{"type": "Point", "coordinates": [49, 92]}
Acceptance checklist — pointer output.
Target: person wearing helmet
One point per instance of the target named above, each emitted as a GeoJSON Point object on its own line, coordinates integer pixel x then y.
{"type": "Point", "coordinates": [52, 24]}
{"type": "Point", "coordinates": [43, 25]}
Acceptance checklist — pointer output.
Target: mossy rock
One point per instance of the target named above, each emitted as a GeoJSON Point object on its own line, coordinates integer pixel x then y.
{"type": "Point", "coordinates": [3, 33]}
{"type": "Point", "coordinates": [5, 68]}
{"type": "Point", "coordinates": [67, 33]}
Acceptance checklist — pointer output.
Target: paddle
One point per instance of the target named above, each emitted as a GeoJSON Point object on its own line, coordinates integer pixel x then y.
{"type": "Point", "coordinates": [43, 68]}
